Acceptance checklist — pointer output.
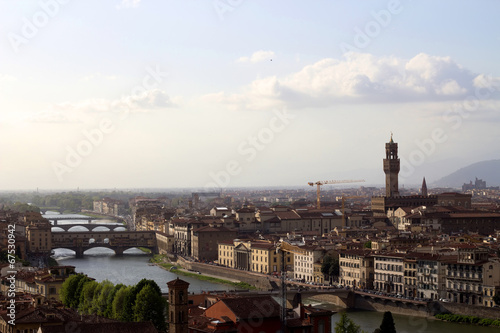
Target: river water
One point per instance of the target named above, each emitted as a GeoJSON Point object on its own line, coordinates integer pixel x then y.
{"type": "Point", "coordinates": [102, 263]}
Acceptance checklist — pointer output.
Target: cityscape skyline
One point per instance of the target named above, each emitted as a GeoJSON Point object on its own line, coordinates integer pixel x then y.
{"type": "Point", "coordinates": [149, 94]}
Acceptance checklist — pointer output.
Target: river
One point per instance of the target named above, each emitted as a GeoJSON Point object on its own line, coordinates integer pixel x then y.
{"type": "Point", "coordinates": [102, 263]}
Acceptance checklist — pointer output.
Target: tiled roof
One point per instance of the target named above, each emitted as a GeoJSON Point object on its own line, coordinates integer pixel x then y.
{"type": "Point", "coordinates": [252, 307]}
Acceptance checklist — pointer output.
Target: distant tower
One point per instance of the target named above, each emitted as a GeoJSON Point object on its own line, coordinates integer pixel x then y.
{"type": "Point", "coordinates": [391, 169]}
{"type": "Point", "coordinates": [423, 191]}
{"type": "Point", "coordinates": [178, 306]}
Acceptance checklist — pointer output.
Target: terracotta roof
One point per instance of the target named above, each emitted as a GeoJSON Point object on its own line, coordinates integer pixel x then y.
{"type": "Point", "coordinates": [253, 307]}
{"type": "Point", "coordinates": [177, 282]}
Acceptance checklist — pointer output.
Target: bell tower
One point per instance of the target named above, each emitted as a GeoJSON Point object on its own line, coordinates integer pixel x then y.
{"type": "Point", "coordinates": [391, 169]}
{"type": "Point", "coordinates": [178, 306]}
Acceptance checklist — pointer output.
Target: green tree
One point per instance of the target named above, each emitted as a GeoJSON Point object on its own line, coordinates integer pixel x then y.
{"type": "Point", "coordinates": [68, 293]}
{"type": "Point", "coordinates": [150, 306]}
{"type": "Point", "coordinates": [368, 245]}
{"type": "Point", "coordinates": [109, 302]}
{"type": "Point", "coordinates": [128, 313]}
{"type": "Point", "coordinates": [101, 294]}
{"type": "Point", "coordinates": [78, 293]}
{"type": "Point", "coordinates": [87, 296]}
{"type": "Point", "coordinates": [387, 325]}
{"type": "Point", "coordinates": [346, 325]}
{"type": "Point", "coordinates": [330, 267]}
{"type": "Point", "coordinates": [118, 305]}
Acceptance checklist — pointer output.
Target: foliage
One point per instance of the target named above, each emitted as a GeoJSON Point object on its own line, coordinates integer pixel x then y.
{"type": "Point", "coordinates": [68, 292]}
{"type": "Point", "coordinates": [101, 298]}
{"type": "Point", "coordinates": [87, 296]}
{"type": "Point", "coordinates": [117, 306]}
{"type": "Point", "coordinates": [468, 319]}
{"type": "Point", "coordinates": [387, 325]}
{"type": "Point", "coordinates": [150, 306]}
{"type": "Point", "coordinates": [21, 207]}
{"type": "Point", "coordinates": [128, 308]}
{"type": "Point", "coordinates": [111, 297]}
{"type": "Point", "coordinates": [330, 266]}
{"type": "Point", "coordinates": [346, 325]}
{"type": "Point", "coordinates": [368, 245]}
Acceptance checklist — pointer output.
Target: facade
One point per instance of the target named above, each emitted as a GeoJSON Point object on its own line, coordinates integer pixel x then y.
{"type": "Point", "coordinates": [303, 263]}
{"type": "Point", "coordinates": [389, 273]}
{"type": "Point", "coordinates": [356, 268]}
{"type": "Point", "coordinates": [39, 236]}
{"type": "Point", "coordinates": [410, 276]}
{"type": "Point", "coordinates": [464, 276]}
{"type": "Point", "coordinates": [491, 282]}
{"type": "Point", "coordinates": [109, 206]}
{"type": "Point", "coordinates": [204, 241]}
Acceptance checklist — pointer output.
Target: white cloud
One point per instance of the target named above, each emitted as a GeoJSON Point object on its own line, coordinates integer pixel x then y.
{"type": "Point", "coordinates": [257, 56]}
{"type": "Point", "coordinates": [128, 4]}
{"type": "Point", "coordinates": [359, 78]}
{"type": "Point", "coordinates": [7, 78]}
{"type": "Point", "coordinates": [67, 112]}
{"type": "Point", "coordinates": [98, 76]}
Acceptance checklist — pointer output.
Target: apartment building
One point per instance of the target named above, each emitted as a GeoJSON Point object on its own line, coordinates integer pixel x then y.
{"type": "Point", "coordinates": [356, 268]}
{"type": "Point", "coordinates": [464, 276]}
{"type": "Point", "coordinates": [389, 272]}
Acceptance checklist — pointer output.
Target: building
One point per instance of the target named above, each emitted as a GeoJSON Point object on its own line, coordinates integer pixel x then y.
{"type": "Point", "coordinates": [303, 263]}
{"type": "Point", "coordinates": [356, 268]}
{"type": "Point", "coordinates": [391, 169]}
{"type": "Point", "coordinates": [204, 241]}
{"type": "Point", "coordinates": [389, 273]}
{"type": "Point", "coordinates": [178, 306]}
{"type": "Point", "coordinates": [464, 275]}
{"type": "Point", "coordinates": [109, 206]}
{"type": "Point", "coordinates": [38, 234]}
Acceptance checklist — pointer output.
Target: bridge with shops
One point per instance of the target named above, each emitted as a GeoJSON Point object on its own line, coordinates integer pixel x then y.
{"type": "Point", "coordinates": [89, 226]}
{"type": "Point", "coordinates": [117, 241]}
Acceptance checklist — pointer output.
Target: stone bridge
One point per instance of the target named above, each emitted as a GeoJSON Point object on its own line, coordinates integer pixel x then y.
{"type": "Point", "coordinates": [89, 219]}
{"type": "Point", "coordinates": [118, 241]}
{"type": "Point", "coordinates": [89, 226]}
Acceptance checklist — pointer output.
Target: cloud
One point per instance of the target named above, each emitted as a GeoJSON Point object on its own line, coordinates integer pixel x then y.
{"type": "Point", "coordinates": [98, 76]}
{"type": "Point", "coordinates": [128, 4]}
{"type": "Point", "coordinates": [68, 112]}
{"type": "Point", "coordinates": [53, 117]}
{"type": "Point", "coordinates": [7, 78]}
{"type": "Point", "coordinates": [257, 56]}
{"type": "Point", "coordinates": [359, 78]}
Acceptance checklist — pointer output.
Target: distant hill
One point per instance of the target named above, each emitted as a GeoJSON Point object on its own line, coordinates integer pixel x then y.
{"type": "Point", "coordinates": [488, 171]}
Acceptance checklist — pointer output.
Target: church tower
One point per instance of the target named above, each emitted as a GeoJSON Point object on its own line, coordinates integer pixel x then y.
{"type": "Point", "coordinates": [178, 306]}
{"type": "Point", "coordinates": [391, 169]}
{"type": "Point", "coordinates": [423, 191]}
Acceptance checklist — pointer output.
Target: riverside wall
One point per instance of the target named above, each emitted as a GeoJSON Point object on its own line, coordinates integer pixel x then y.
{"type": "Point", "coordinates": [257, 280]}
{"type": "Point", "coordinates": [411, 309]}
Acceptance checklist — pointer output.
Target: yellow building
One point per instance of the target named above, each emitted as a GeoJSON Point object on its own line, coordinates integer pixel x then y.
{"type": "Point", "coordinates": [39, 236]}
{"type": "Point", "coordinates": [255, 256]}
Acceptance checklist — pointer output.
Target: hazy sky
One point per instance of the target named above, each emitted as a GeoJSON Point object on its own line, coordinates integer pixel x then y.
{"type": "Point", "coordinates": [144, 93]}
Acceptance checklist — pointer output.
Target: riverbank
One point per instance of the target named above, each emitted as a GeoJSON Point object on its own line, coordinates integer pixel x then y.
{"type": "Point", "coordinates": [163, 262]}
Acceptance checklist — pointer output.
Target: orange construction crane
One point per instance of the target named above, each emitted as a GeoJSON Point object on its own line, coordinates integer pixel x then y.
{"type": "Point", "coordinates": [319, 183]}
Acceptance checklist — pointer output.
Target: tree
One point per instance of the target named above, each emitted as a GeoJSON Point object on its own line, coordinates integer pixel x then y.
{"type": "Point", "coordinates": [368, 245]}
{"type": "Point", "coordinates": [101, 294]}
{"type": "Point", "coordinates": [68, 293]}
{"type": "Point", "coordinates": [117, 307]}
{"type": "Point", "coordinates": [346, 325]}
{"type": "Point", "coordinates": [109, 302]}
{"type": "Point", "coordinates": [387, 325]}
{"type": "Point", "coordinates": [87, 296]}
{"type": "Point", "coordinates": [330, 266]}
{"type": "Point", "coordinates": [78, 293]}
{"type": "Point", "coordinates": [128, 313]}
{"type": "Point", "coordinates": [150, 306]}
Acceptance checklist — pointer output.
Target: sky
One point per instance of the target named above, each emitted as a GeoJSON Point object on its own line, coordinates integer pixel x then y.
{"type": "Point", "coordinates": [239, 93]}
